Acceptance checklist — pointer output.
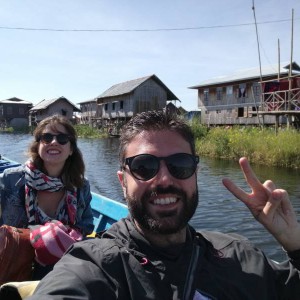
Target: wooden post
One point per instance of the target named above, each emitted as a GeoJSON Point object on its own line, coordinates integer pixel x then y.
{"type": "Point", "coordinates": [276, 123]}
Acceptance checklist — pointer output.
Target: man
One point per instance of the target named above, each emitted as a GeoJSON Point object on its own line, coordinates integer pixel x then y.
{"type": "Point", "coordinates": [154, 253]}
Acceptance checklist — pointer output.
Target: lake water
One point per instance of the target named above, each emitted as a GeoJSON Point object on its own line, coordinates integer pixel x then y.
{"type": "Point", "coordinates": [217, 210]}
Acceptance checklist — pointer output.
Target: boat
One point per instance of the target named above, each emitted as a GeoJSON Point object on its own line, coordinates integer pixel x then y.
{"type": "Point", "coordinates": [114, 135]}
{"type": "Point", "coordinates": [106, 211]}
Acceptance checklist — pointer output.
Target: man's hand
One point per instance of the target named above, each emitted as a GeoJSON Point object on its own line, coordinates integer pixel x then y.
{"type": "Point", "coordinates": [270, 206]}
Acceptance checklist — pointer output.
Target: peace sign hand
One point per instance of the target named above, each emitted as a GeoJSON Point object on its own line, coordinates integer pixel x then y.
{"type": "Point", "coordinates": [270, 206]}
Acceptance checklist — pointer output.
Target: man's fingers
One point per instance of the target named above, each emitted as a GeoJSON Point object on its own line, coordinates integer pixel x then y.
{"type": "Point", "coordinates": [269, 185]}
{"type": "Point", "coordinates": [235, 190]}
{"type": "Point", "coordinates": [249, 175]}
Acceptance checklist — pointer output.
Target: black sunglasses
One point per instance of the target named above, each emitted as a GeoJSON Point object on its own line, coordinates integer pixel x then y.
{"type": "Point", "coordinates": [47, 138]}
{"type": "Point", "coordinates": [146, 166]}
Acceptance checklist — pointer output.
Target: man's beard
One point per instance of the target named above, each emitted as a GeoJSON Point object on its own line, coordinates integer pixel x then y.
{"type": "Point", "coordinates": [168, 222]}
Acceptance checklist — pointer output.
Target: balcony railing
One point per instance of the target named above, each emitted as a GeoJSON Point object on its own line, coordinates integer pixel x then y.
{"type": "Point", "coordinates": [281, 100]}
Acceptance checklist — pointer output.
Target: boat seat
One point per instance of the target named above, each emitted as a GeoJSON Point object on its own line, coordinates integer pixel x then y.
{"type": "Point", "coordinates": [17, 290]}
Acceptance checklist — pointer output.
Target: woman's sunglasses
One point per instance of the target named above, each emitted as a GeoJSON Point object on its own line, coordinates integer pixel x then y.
{"type": "Point", "coordinates": [146, 166]}
{"type": "Point", "coordinates": [47, 138]}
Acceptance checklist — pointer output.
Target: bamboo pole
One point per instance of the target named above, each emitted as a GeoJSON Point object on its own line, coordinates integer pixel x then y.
{"type": "Point", "coordinates": [259, 59]}
{"type": "Point", "coordinates": [290, 72]}
{"type": "Point", "coordinates": [278, 60]}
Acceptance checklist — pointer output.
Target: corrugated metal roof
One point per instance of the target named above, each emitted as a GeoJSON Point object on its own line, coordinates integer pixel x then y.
{"type": "Point", "coordinates": [46, 103]}
{"type": "Point", "coordinates": [129, 86]}
{"type": "Point", "coordinates": [247, 74]}
{"type": "Point", "coordinates": [15, 102]}
{"type": "Point", "coordinates": [87, 101]}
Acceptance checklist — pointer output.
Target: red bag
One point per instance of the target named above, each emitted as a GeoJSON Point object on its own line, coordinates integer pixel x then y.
{"type": "Point", "coordinates": [16, 254]}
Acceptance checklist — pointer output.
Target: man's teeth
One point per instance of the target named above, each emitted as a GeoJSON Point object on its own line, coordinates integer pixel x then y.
{"type": "Point", "coordinates": [165, 201]}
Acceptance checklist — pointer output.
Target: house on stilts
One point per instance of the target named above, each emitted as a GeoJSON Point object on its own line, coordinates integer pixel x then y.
{"type": "Point", "coordinates": [115, 106]}
{"type": "Point", "coordinates": [270, 96]}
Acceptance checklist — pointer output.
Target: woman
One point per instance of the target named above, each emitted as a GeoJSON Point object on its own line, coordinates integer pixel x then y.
{"type": "Point", "coordinates": [49, 194]}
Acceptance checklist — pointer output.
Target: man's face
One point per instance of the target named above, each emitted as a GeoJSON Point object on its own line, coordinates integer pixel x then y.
{"type": "Point", "coordinates": [162, 204]}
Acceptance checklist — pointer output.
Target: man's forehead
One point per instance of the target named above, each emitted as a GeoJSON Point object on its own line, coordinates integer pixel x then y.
{"type": "Point", "coordinates": [157, 141]}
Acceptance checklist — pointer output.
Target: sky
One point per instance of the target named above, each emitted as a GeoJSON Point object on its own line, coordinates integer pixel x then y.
{"type": "Point", "coordinates": [78, 49]}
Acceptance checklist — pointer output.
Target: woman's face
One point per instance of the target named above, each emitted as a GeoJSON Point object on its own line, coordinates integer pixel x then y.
{"type": "Point", "coordinates": [53, 153]}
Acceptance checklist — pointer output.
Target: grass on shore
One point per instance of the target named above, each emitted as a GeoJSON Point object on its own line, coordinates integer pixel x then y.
{"type": "Point", "coordinates": [261, 146]}
{"type": "Point", "coordinates": [85, 131]}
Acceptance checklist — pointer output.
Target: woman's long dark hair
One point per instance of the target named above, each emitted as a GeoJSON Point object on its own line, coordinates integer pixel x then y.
{"type": "Point", "coordinates": [73, 171]}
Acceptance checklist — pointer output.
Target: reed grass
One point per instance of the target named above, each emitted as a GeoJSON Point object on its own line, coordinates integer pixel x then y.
{"type": "Point", "coordinates": [260, 146]}
{"type": "Point", "coordinates": [85, 131]}
{"type": "Point", "coordinates": [7, 130]}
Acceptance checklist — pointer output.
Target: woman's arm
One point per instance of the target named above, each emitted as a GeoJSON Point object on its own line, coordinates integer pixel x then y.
{"type": "Point", "coordinates": [84, 216]}
{"type": "Point", "coordinates": [12, 197]}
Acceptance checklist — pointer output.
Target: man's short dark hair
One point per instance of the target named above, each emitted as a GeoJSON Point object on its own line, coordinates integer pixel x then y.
{"type": "Point", "coordinates": [155, 120]}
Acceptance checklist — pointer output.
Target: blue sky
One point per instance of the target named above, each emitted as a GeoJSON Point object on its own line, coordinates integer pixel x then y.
{"type": "Point", "coordinates": [80, 65]}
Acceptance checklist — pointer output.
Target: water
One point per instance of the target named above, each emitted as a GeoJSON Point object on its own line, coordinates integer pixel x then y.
{"type": "Point", "coordinates": [217, 210]}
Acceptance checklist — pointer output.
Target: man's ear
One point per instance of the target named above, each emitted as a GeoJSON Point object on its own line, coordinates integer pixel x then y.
{"type": "Point", "coordinates": [120, 177]}
{"type": "Point", "coordinates": [122, 180]}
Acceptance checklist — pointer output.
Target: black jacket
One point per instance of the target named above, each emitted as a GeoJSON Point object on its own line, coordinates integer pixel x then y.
{"type": "Point", "coordinates": [123, 265]}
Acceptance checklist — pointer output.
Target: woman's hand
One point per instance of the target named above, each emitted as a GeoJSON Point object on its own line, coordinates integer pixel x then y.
{"type": "Point", "coordinates": [270, 206]}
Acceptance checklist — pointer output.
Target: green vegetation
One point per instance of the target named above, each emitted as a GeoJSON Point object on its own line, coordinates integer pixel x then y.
{"type": "Point", "coordinates": [85, 131]}
{"type": "Point", "coordinates": [7, 130]}
{"type": "Point", "coordinates": [82, 131]}
{"type": "Point", "coordinates": [261, 146]}
{"type": "Point", "coordinates": [23, 129]}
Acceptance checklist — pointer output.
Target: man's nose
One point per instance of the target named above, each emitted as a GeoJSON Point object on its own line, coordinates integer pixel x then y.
{"type": "Point", "coordinates": [164, 176]}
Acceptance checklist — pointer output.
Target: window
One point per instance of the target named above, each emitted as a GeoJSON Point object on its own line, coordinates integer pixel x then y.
{"type": "Point", "coordinates": [240, 112]}
{"type": "Point", "coordinates": [206, 95]}
{"type": "Point", "coordinates": [229, 90]}
{"type": "Point", "coordinates": [254, 111]}
{"type": "Point", "coordinates": [114, 106]}
{"type": "Point", "coordinates": [106, 106]}
{"type": "Point", "coordinates": [21, 111]}
{"type": "Point", "coordinates": [256, 89]}
{"type": "Point", "coordinates": [121, 104]}
{"type": "Point", "coordinates": [242, 92]}
{"type": "Point", "coordinates": [9, 110]}
{"type": "Point", "coordinates": [219, 93]}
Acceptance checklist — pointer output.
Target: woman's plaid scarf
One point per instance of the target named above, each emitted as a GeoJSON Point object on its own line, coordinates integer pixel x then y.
{"type": "Point", "coordinates": [35, 180]}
